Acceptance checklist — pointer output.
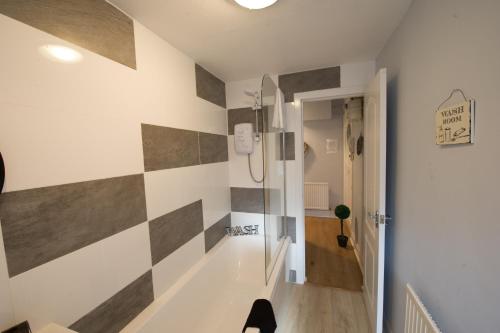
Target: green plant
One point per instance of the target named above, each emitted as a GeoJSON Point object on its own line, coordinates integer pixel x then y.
{"type": "Point", "coordinates": [342, 212]}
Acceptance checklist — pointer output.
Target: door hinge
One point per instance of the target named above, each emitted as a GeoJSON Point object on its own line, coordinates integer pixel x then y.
{"type": "Point", "coordinates": [384, 218]}
{"type": "Point", "coordinates": [379, 218]}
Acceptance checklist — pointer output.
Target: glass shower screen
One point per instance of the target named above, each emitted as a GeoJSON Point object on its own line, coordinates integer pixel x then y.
{"type": "Point", "coordinates": [274, 181]}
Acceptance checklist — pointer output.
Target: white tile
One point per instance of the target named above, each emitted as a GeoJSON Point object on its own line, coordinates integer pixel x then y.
{"type": "Point", "coordinates": [168, 190]}
{"type": "Point", "coordinates": [293, 120]}
{"type": "Point", "coordinates": [294, 201]}
{"type": "Point", "coordinates": [79, 129]}
{"type": "Point", "coordinates": [167, 95]}
{"type": "Point", "coordinates": [235, 91]}
{"type": "Point", "coordinates": [215, 192]}
{"type": "Point", "coordinates": [170, 269]}
{"type": "Point", "coordinates": [294, 204]}
{"type": "Point", "coordinates": [275, 173]}
{"type": "Point", "coordinates": [65, 289]}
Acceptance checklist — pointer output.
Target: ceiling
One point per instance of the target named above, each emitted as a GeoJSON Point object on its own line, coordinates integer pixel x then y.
{"type": "Point", "coordinates": [293, 35]}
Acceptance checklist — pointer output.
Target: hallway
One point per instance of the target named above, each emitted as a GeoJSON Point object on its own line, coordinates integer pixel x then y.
{"type": "Point", "coordinates": [332, 300]}
{"type": "Point", "coordinates": [327, 264]}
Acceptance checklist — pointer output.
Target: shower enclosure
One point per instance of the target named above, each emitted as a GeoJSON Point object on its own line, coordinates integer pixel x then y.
{"type": "Point", "coordinates": [274, 188]}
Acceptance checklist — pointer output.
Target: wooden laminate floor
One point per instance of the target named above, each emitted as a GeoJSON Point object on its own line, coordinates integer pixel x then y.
{"type": "Point", "coordinates": [331, 301]}
{"type": "Point", "coordinates": [328, 264]}
{"type": "Point", "coordinates": [312, 308]}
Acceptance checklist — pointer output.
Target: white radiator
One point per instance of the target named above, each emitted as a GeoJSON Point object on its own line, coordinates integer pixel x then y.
{"type": "Point", "coordinates": [417, 319]}
{"type": "Point", "coordinates": [316, 196]}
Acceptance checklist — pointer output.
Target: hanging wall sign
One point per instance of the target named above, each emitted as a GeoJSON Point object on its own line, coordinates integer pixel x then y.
{"type": "Point", "coordinates": [455, 124]}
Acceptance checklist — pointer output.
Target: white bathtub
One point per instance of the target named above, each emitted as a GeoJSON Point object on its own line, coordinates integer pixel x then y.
{"type": "Point", "coordinates": [216, 295]}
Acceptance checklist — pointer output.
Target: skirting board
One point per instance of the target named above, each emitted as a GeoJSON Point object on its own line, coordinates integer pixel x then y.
{"type": "Point", "coordinates": [356, 252]}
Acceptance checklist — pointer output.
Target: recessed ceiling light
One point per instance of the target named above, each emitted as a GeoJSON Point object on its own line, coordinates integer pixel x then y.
{"type": "Point", "coordinates": [255, 4]}
{"type": "Point", "coordinates": [61, 53]}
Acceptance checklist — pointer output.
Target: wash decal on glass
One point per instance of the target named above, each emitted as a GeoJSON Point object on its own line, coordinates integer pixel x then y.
{"type": "Point", "coordinates": [246, 230]}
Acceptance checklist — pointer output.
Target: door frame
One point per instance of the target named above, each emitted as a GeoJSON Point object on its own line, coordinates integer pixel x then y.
{"type": "Point", "coordinates": [299, 99]}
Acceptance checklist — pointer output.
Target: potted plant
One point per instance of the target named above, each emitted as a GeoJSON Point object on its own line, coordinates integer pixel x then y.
{"type": "Point", "coordinates": [342, 212]}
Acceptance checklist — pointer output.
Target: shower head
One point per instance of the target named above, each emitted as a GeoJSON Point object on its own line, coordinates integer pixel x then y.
{"type": "Point", "coordinates": [255, 96]}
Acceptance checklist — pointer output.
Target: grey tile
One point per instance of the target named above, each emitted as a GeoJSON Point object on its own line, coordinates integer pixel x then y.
{"type": "Point", "coordinates": [245, 115]}
{"type": "Point", "coordinates": [247, 200]}
{"type": "Point", "coordinates": [292, 228]}
{"type": "Point", "coordinates": [280, 230]}
{"type": "Point", "coordinates": [94, 25]}
{"type": "Point", "coordinates": [273, 198]}
{"type": "Point", "coordinates": [292, 275]}
{"type": "Point", "coordinates": [171, 231]}
{"type": "Point", "coordinates": [318, 79]}
{"type": "Point", "coordinates": [289, 146]}
{"type": "Point", "coordinates": [209, 87]}
{"type": "Point", "coordinates": [43, 224]}
{"type": "Point", "coordinates": [115, 313]}
{"type": "Point", "coordinates": [213, 148]}
{"type": "Point", "coordinates": [166, 147]}
{"type": "Point", "coordinates": [216, 232]}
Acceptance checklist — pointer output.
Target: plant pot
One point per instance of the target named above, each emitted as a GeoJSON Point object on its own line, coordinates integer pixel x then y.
{"type": "Point", "coordinates": [342, 240]}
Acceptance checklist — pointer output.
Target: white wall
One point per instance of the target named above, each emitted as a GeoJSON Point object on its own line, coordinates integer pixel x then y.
{"type": "Point", "coordinates": [321, 165]}
{"type": "Point", "coordinates": [445, 237]}
{"type": "Point", "coordinates": [318, 110]}
{"type": "Point", "coordinates": [65, 123]}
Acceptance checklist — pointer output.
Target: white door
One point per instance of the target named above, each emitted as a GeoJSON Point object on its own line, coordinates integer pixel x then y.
{"type": "Point", "coordinates": [374, 217]}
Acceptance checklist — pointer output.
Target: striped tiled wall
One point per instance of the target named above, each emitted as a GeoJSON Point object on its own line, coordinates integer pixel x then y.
{"type": "Point", "coordinates": [117, 180]}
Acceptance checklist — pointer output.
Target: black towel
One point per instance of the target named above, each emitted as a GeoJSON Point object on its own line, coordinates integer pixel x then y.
{"type": "Point", "coordinates": [23, 327]}
{"type": "Point", "coordinates": [262, 317]}
{"type": "Point", "coordinates": [2, 173]}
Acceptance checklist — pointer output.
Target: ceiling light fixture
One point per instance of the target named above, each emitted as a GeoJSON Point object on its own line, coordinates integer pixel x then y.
{"type": "Point", "coordinates": [61, 53]}
{"type": "Point", "coordinates": [255, 4]}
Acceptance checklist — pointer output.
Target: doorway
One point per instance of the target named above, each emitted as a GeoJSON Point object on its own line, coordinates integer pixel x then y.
{"type": "Point", "coordinates": [374, 179]}
{"type": "Point", "coordinates": [333, 177]}
{"type": "Point", "coordinates": [331, 299]}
